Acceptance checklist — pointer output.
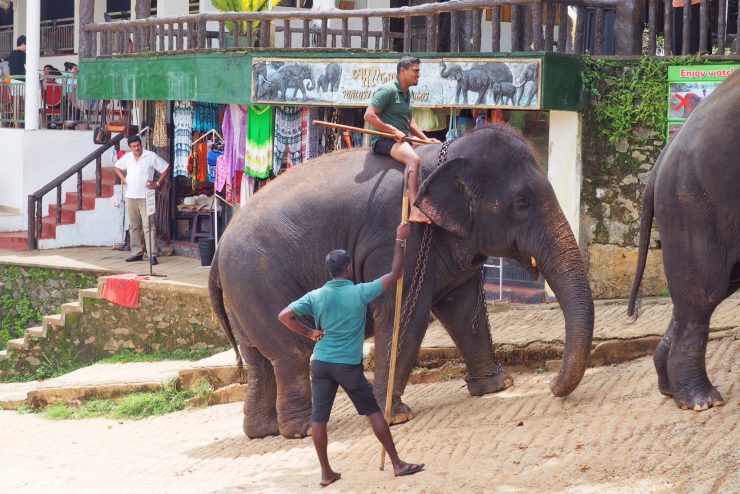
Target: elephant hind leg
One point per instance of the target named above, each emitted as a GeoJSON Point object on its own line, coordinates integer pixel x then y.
{"type": "Point", "coordinates": [687, 371]}
{"type": "Point", "coordinates": [260, 415]}
{"type": "Point", "coordinates": [660, 359]}
{"type": "Point", "coordinates": [293, 396]}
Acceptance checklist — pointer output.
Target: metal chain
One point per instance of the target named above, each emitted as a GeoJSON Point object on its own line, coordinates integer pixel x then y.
{"type": "Point", "coordinates": [481, 304]}
{"type": "Point", "coordinates": [417, 280]}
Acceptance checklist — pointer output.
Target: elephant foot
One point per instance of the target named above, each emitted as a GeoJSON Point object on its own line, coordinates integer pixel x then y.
{"type": "Point", "coordinates": [490, 384]}
{"type": "Point", "coordinates": [400, 413]}
{"type": "Point", "coordinates": [258, 427]}
{"type": "Point", "coordinates": [295, 429]}
{"type": "Point", "coordinates": [699, 400]}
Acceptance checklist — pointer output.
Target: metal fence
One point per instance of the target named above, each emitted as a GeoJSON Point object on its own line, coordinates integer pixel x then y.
{"type": "Point", "coordinates": [6, 40]}
{"type": "Point", "coordinates": [506, 279]}
{"type": "Point", "coordinates": [57, 36]}
{"type": "Point", "coordinates": [59, 107]}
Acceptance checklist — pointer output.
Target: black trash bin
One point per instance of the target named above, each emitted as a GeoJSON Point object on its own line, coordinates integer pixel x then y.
{"type": "Point", "coordinates": [207, 247]}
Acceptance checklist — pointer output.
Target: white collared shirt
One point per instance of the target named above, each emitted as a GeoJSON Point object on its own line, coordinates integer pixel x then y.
{"type": "Point", "coordinates": [139, 172]}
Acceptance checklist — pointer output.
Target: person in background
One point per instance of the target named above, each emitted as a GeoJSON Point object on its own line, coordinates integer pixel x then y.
{"type": "Point", "coordinates": [4, 67]}
{"type": "Point", "coordinates": [139, 166]}
{"type": "Point", "coordinates": [17, 58]}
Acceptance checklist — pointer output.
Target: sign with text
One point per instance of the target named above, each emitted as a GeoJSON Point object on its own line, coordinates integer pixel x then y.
{"type": "Point", "coordinates": [688, 86]}
{"type": "Point", "coordinates": [479, 83]}
{"type": "Point", "coordinates": [151, 201]}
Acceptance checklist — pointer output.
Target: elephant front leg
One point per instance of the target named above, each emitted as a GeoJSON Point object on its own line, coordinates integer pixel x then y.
{"type": "Point", "coordinates": [463, 314]}
{"type": "Point", "coordinates": [687, 372]}
{"type": "Point", "coordinates": [410, 338]}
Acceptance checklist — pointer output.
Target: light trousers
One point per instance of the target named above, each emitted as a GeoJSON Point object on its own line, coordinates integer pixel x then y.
{"type": "Point", "coordinates": [138, 221]}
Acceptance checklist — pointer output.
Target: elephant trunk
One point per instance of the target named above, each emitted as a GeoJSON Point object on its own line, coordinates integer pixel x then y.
{"type": "Point", "coordinates": [310, 84]}
{"type": "Point", "coordinates": [443, 72]}
{"type": "Point", "coordinates": [560, 262]}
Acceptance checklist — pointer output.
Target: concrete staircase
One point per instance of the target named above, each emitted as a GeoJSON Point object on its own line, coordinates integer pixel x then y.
{"type": "Point", "coordinates": [19, 240]}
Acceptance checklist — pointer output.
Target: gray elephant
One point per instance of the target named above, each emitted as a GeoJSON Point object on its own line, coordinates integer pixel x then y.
{"type": "Point", "coordinates": [488, 198]}
{"type": "Point", "coordinates": [693, 194]}
{"type": "Point", "coordinates": [332, 76]}
{"type": "Point", "coordinates": [474, 79]}
{"type": "Point", "coordinates": [503, 90]}
{"type": "Point", "coordinates": [290, 76]}
{"type": "Point", "coordinates": [527, 85]}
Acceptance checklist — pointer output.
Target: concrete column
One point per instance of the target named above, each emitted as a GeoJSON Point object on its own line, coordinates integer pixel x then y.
{"type": "Point", "coordinates": [19, 20]}
{"type": "Point", "coordinates": [564, 168]}
{"type": "Point", "coordinates": [76, 33]}
{"type": "Point", "coordinates": [33, 47]}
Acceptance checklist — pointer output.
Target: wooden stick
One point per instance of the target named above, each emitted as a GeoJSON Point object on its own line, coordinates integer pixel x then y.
{"type": "Point", "coordinates": [415, 140]}
{"type": "Point", "coordinates": [396, 326]}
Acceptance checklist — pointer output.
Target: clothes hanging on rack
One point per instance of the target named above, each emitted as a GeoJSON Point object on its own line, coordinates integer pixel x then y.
{"type": "Point", "coordinates": [213, 156]}
{"type": "Point", "coordinates": [160, 138]}
{"type": "Point", "coordinates": [206, 117]}
{"type": "Point", "coordinates": [288, 133]}
{"type": "Point", "coordinates": [259, 141]}
{"type": "Point", "coordinates": [316, 133]}
{"type": "Point", "coordinates": [182, 117]}
{"type": "Point", "coordinates": [235, 142]}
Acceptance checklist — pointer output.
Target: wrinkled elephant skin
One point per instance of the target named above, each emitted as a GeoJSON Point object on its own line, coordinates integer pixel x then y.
{"type": "Point", "coordinates": [693, 194]}
{"type": "Point", "coordinates": [489, 199]}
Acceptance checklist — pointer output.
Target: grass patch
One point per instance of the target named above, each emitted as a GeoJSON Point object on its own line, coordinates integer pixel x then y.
{"type": "Point", "coordinates": [134, 406]}
{"type": "Point", "coordinates": [130, 356]}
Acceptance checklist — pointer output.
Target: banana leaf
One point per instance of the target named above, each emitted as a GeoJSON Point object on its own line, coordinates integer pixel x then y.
{"type": "Point", "coordinates": [242, 6]}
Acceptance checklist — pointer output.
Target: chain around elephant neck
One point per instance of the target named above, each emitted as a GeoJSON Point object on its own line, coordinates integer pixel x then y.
{"type": "Point", "coordinates": [409, 306]}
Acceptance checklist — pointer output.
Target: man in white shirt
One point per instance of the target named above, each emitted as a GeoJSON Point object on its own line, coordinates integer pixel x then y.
{"type": "Point", "coordinates": [139, 166]}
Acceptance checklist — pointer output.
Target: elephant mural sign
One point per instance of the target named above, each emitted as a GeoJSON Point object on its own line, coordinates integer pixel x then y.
{"type": "Point", "coordinates": [449, 82]}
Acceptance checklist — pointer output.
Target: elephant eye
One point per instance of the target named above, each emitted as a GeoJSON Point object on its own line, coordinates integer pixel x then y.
{"type": "Point", "coordinates": [522, 203]}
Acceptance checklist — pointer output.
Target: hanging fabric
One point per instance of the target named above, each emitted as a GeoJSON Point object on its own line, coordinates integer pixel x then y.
{"type": "Point", "coordinates": [160, 138]}
{"type": "Point", "coordinates": [235, 143]}
{"type": "Point", "coordinates": [206, 117]}
{"type": "Point", "coordinates": [259, 141]}
{"type": "Point", "coordinates": [314, 147]}
{"type": "Point", "coordinates": [288, 132]}
{"type": "Point", "coordinates": [213, 156]}
{"type": "Point", "coordinates": [427, 119]}
{"type": "Point", "coordinates": [497, 116]}
{"type": "Point", "coordinates": [182, 118]}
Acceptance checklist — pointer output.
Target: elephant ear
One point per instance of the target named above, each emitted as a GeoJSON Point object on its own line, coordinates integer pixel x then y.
{"type": "Point", "coordinates": [447, 199]}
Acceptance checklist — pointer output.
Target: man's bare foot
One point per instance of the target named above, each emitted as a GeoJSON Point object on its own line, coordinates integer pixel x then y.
{"type": "Point", "coordinates": [407, 469]}
{"type": "Point", "coordinates": [330, 479]}
{"type": "Point", "coordinates": [416, 216]}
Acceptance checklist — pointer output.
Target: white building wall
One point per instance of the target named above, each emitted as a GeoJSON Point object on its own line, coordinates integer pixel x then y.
{"type": "Point", "coordinates": [564, 164]}
{"type": "Point", "coordinates": [34, 158]}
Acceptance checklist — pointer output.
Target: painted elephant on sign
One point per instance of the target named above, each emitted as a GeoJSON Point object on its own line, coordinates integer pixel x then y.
{"type": "Point", "coordinates": [291, 76]}
{"type": "Point", "coordinates": [693, 194]}
{"type": "Point", "coordinates": [527, 84]}
{"type": "Point", "coordinates": [331, 77]}
{"type": "Point", "coordinates": [474, 79]}
{"type": "Point", "coordinates": [489, 198]}
{"type": "Point", "coordinates": [503, 90]}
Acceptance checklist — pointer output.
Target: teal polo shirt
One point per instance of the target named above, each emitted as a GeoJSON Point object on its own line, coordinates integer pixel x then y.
{"type": "Point", "coordinates": [393, 106]}
{"type": "Point", "coordinates": [339, 309]}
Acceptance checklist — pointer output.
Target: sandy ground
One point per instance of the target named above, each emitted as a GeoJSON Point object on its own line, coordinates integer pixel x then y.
{"type": "Point", "coordinates": [615, 433]}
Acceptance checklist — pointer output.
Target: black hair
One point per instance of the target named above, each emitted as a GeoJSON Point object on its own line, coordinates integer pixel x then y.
{"type": "Point", "coordinates": [134, 138]}
{"type": "Point", "coordinates": [337, 262]}
{"type": "Point", "coordinates": [69, 66]}
{"type": "Point", "coordinates": [21, 40]}
{"type": "Point", "coordinates": [406, 62]}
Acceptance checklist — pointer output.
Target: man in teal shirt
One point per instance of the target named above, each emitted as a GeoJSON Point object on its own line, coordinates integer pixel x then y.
{"type": "Point", "coordinates": [390, 111]}
{"type": "Point", "coordinates": [339, 309]}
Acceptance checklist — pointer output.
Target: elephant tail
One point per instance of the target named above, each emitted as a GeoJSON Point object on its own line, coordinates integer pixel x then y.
{"type": "Point", "coordinates": [646, 224]}
{"type": "Point", "coordinates": [219, 309]}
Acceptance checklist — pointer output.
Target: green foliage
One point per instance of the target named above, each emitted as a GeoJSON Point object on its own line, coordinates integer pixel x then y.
{"type": "Point", "coordinates": [627, 96]}
{"type": "Point", "coordinates": [178, 354]}
{"type": "Point", "coordinates": [243, 6]}
{"type": "Point", "coordinates": [134, 406]}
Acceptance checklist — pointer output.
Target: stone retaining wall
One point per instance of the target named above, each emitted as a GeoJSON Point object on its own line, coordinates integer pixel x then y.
{"type": "Point", "coordinates": [29, 292]}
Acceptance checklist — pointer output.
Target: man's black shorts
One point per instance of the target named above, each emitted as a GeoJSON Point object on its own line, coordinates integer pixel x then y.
{"type": "Point", "coordinates": [383, 146]}
{"type": "Point", "coordinates": [327, 376]}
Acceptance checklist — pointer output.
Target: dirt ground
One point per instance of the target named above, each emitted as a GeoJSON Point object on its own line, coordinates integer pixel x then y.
{"type": "Point", "coordinates": [615, 433]}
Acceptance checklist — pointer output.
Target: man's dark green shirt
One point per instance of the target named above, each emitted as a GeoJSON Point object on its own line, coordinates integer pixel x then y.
{"type": "Point", "coordinates": [393, 106]}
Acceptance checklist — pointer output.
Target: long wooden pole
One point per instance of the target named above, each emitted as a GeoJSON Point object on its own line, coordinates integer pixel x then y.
{"type": "Point", "coordinates": [415, 140]}
{"type": "Point", "coordinates": [396, 326]}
